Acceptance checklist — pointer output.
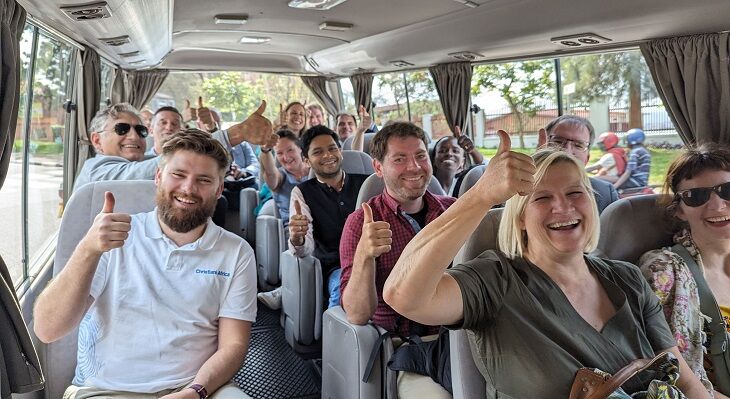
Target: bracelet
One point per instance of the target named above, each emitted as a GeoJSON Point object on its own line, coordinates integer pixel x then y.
{"type": "Point", "coordinates": [268, 150]}
{"type": "Point", "coordinates": [200, 390]}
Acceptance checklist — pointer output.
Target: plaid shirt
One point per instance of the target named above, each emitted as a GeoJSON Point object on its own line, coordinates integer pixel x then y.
{"type": "Point", "coordinates": [386, 208]}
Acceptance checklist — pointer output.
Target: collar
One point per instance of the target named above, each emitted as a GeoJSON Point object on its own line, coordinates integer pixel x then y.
{"type": "Point", "coordinates": [291, 178]}
{"type": "Point", "coordinates": [395, 207]}
{"type": "Point", "coordinates": [344, 180]}
{"type": "Point", "coordinates": [153, 231]}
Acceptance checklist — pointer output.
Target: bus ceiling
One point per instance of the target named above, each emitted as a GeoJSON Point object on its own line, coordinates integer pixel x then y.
{"type": "Point", "coordinates": [356, 35]}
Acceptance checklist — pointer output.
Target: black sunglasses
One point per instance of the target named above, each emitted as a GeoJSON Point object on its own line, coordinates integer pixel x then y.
{"type": "Point", "coordinates": [122, 128]}
{"type": "Point", "coordinates": [695, 197]}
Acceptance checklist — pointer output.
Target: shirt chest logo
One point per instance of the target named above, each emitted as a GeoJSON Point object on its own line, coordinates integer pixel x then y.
{"type": "Point", "coordinates": [212, 272]}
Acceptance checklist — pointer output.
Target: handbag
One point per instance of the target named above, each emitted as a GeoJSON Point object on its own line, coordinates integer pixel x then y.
{"type": "Point", "coordinates": [595, 384]}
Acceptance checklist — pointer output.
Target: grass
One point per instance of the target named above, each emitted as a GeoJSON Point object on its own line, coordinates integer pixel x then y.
{"type": "Point", "coordinates": [660, 160]}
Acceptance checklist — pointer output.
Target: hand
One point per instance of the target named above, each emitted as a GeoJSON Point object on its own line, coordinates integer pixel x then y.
{"type": "Point", "coordinates": [185, 393]}
{"type": "Point", "coordinates": [464, 141]}
{"type": "Point", "coordinates": [189, 114]}
{"type": "Point", "coordinates": [237, 172]}
{"type": "Point", "coordinates": [271, 143]}
{"type": "Point", "coordinates": [205, 116]}
{"type": "Point", "coordinates": [542, 138]}
{"type": "Point", "coordinates": [298, 225]}
{"type": "Point", "coordinates": [282, 115]}
{"type": "Point", "coordinates": [256, 129]}
{"type": "Point", "coordinates": [376, 235]}
{"type": "Point", "coordinates": [508, 173]}
{"type": "Point", "coordinates": [365, 119]}
{"type": "Point", "coordinates": [109, 229]}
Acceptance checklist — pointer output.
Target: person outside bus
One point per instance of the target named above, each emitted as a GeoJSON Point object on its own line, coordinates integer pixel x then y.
{"type": "Point", "coordinates": [638, 168]}
{"type": "Point", "coordinates": [613, 162]}
{"type": "Point", "coordinates": [374, 237]}
{"type": "Point", "coordinates": [164, 300]}
{"type": "Point", "coordinates": [539, 308]}
{"type": "Point", "coordinates": [699, 182]}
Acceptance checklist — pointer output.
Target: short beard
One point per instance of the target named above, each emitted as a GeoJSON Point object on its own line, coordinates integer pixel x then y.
{"type": "Point", "coordinates": [325, 175]}
{"type": "Point", "coordinates": [182, 221]}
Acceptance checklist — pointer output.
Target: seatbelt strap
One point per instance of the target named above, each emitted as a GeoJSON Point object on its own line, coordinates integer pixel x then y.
{"type": "Point", "coordinates": [374, 355]}
{"type": "Point", "coordinates": [718, 329]}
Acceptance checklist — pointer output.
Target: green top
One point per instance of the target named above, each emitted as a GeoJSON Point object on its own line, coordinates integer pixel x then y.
{"type": "Point", "coordinates": [527, 339]}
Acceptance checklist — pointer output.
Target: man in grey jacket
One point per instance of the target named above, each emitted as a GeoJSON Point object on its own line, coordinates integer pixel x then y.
{"type": "Point", "coordinates": [118, 136]}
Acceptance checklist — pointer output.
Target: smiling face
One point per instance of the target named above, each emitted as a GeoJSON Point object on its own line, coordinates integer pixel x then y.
{"type": "Point", "coordinates": [406, 168]}
{"type": "Point", "coordinates": [449, 156]}
{"type": "Point", "coordinates": [130, 146]}
{"type": "Point", "coordinates": [559, 215]}
{"type": "Point", "coordinates": [710, 221]}
{"type": "Point", "coordinates": [325, 157]}
{"type": "Point", "coordinates": [315, 117]}
{"type": "Point", "coordinates": [165, 125]}
{"type": "Point", "coordinates": [567, 134]}
{"type": "Point", "coordinates": [296, 117]}
{"type": "Point", "coordinates": [289, 155]}
{"type": "Point", "coordinates": [188, 187]}
{"type": "Point", "coordinates": [345, 126]}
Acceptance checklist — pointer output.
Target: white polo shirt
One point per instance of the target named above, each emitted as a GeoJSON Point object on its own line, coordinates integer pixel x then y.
{"type": "Point", "coordinates": [154, 320]}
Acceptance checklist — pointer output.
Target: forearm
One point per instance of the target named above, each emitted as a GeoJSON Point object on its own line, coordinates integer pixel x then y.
{"type": "Point", "coordinates": [221, 367]}
{"type": "Point", "coordinates": [268, 170]}
{"type": "Point", "coordinates": [622, 179]}
{"type": "Point", "coordinates": [412, 284]}
{"type": "Point", "coordinates": [688, 382]}
{"type": "Point", "coordinates": [64, 302]}
{"type": "Point", "coordinates": [358, 141]}
{"type": "Point", "coordinates": [477, 157]}
{"type": "Point", "coordinates": [360, 298]}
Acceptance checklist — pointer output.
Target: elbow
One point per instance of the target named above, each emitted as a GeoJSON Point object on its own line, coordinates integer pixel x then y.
{"type": "Point", "coordinates": [44, 333]}
{"type": "Point", "coordinates": [359, 319]}
{"type": "Point", "coordinates": [395, 300]}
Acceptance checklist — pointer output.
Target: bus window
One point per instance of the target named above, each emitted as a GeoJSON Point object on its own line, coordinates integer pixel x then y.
{"type": "Point", "coordinates": [348, 96]}
{"type": "Point", "coordinates": [409, 96]}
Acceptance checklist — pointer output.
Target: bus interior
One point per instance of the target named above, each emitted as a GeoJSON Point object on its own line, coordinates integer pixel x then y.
{"type": "Point", "coordinates": [397, 58]}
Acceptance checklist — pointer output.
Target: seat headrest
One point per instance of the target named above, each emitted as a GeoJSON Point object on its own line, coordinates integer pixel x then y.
{"type": "Point", "coordinates": [632, 226]}
{"type": "Point", "coordinates": [131, 196]}
{"type": "Point", "coordinates": [374, 185]}
{"type": "Point", "coordinates": [347, 144]}
{"type": "Point", "coordinates": [354, 162]}
{"type": "Point", "coordinates": [470, 178]}
{"type": "Point", "coordinates": [482, 239]}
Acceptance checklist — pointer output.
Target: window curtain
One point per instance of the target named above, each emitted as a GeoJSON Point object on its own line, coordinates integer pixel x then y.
{"type": "Point", "coordinates": [453, 84]}
{"type": "Point", "coordinates": [87, 100]}
{"type": "Point", "coordinates": [17, 355]}
{"type": "Point", "coordinates": [362, 84]}
{"type": "Point", "coordinates": [137, 87]}
{"type": "Point", "coordinates": [692, 76]}
{"type": "Point", "coordinates": [318, 86]}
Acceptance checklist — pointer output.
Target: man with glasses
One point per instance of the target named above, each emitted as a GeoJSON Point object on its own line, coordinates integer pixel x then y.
{"type": "Point", "coordinates": [118, 136]}
{"type": "Point", "coordinates": [576, 135]}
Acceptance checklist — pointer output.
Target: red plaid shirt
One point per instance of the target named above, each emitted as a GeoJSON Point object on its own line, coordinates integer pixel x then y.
{"type": "Point", "coordinates": [385, 208]}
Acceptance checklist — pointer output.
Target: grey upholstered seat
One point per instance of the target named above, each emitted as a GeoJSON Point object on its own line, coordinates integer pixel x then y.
{"type": "Point", "coordinates": [347, 145]}
{"type": "Point", "coordinates": [302, 281]}
{"type": "Point", "coordinates": [270, 243]}
{"type": "Point", "coordinates": [470, 179]}
{"type": "Point", "coordinates": [249, 198]}
{"type": "Point", "coordinates": [132, 196]}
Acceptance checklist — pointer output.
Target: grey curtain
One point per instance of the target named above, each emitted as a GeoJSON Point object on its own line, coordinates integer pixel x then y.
{"type": "Point", "coordinates": [318, 86]}
{"type": "Point", "coordinates": [362, 84]}
{"type": "Point", "coordinates": [453, 84]}
{"type": "Point", "coordinates": [137, 87]}
{"type": "Point", "coordinates": [12, 21]}
{"type": "Point", "coordinates": [88, 99]}
{"type": "Point", "coordinates": [692, 76]}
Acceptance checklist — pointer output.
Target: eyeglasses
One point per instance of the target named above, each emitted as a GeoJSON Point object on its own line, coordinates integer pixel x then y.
{"type": "Point", "coordinates": [699, 196]}
{"type": "Point", "coordinates": [563, 143]}
{"type": "Point", "coordinates": [122, 128]}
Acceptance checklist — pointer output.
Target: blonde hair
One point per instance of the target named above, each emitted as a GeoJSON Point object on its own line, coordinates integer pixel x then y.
{"type": "Point", "coordinates": [512, 238]}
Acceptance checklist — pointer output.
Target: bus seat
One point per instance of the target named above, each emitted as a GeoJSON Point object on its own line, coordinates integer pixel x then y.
{"type": "Point", "coordinates": [347, 145]}
{"type": "Point", "coordinates": [345, 353]}
{"type": "Point", "coordinates": [470, 179]}
{"type": "Point", "coordinates": [270, 242]}
{"type": "Point", "coordinates": [632, 226]}
{"type": "Point", "coordinates": [374, 185]}
{"type": "Point", "coordinates": [132, 196]}
{"type": "Point", "coordinates": [467, 381]}
{"type": "Point", "coordinates": [302, 277]}
{"type": "Point", "coordinates": [249, 201]}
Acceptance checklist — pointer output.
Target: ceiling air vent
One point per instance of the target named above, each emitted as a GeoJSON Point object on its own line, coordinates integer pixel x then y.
{"type": "Point", "coordinates": [130, 54]}
{"type": "Point", "coordinates": [312, 62]}
{"type": "Point", "coordinates": [335, 26]}
{"type": "Point", "coordinates": [116, 41]}
{"type": "Point", "coordinates": [137, 62]}
{"type": "Point", "coordinates": [466, 55]}
{"type": "Point", "coordinates": [401, 64]}
{"type": "Point", "coordinates": [88, 11]}
{"type": "Point", "coordinates": [580, 40]}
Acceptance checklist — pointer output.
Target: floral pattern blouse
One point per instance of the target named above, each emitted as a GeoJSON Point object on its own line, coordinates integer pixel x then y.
{"type": "Point", "coordinates": [672, 281]}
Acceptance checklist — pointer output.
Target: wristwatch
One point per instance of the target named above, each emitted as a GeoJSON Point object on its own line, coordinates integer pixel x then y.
{"type": "Point", "coordinates": [266, 149]}
{"type": "Point", "coordinates": [200, 390]}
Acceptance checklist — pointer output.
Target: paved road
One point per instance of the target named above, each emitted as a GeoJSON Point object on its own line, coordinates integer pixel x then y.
{"type": "Point", "coordinates": [43, 219]}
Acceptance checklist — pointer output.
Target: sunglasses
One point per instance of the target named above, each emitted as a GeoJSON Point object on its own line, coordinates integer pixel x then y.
{"type": "Point", "coordinates": [122, 128]}
{"type": "Point", "coordinates": [699, 196]}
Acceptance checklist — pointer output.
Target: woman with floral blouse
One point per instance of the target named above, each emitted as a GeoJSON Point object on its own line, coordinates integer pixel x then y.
{"type": "Point", "coordinates": [700, 182]}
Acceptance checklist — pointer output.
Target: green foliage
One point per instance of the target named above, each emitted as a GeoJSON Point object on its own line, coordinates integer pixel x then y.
{"type": "Point", "coordinates": [422, 95]}
{"type": "Point", "coordinates": [229, 92]}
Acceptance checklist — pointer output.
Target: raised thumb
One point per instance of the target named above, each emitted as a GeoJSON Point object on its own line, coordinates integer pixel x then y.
{"type": "Point", "coordinates": [541, 138]}
{"type": "Point", "coordinates": [200, 102]}
{"type": "Point", "coordinates": [187, 103]}
{"type": "Point", "coordinates": [262, 108]}
{"type": "Point", "coordinates": [367, 213]}
{"type": "Point", "coordinates": [108, 202]}
{"type": "Point", "coordinates": [505, 143]}
{"type": "Point", "coordinates": [297, 208]}
{"type": "Point", "coordinates": [457, 132]}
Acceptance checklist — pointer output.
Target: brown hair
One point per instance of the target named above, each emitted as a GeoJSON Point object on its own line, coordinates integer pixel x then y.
{"type": "Point", "coordinates": [379, 143]}
{"type": "Point", "coordinates": [199, 142]}
{"type": "Point", "coordinates": [691, 162]}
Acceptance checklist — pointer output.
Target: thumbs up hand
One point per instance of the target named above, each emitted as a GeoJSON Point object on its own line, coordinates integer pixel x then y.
{"type": "Point", "coordinates": [109, 229]}
{"type": "Point", "coordinates": [298, 225]}
{"type": "Point", "coordinates": [205, 116]}
{"type": "Point", "coordinates": [376, 238]}
{"type": "Point", "coordinates": [256, 129]}
{"type": "Point", "coordinates": [365, 119]}
{"type": "Point", "coordinates": [189, 114]}
{"type": "Point", "coordinates": [464, 141]}
{"type": "Point", "coordinates": [508, 173]}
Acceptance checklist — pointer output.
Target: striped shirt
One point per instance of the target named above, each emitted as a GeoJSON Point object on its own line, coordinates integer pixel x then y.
{"type": "Point", "coordinates": [639, 165]}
